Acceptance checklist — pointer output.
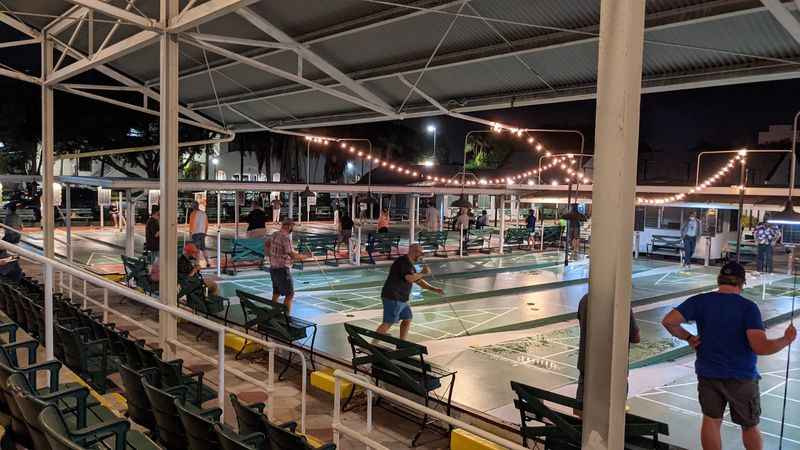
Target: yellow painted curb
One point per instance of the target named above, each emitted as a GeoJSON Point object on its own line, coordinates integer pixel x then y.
{"type": "Point", "coordinates": [464, 440]}
{"type": "Point", "coordinates": [326, 382]}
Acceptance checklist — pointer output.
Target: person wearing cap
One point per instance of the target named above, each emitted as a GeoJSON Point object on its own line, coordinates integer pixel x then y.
{"type": "Point", "coordinates": [151, 233]}
{"type": "Point", "coordinates": [187, 267]}
{"type": "Point", "coordinates": [766, 236]}
{"type": "Point", "coordinates": [281, 254]}
{"type": "Point", "coordinates": [730, 337]}
{"type": "Point", "coordinates": [198, 228]}
{"type": "Point", "coordinates": [397, 290]}
{"type": "Point", "coordinates": [12, 222]}
{"type": "Point", "coordinates": [689, 233]}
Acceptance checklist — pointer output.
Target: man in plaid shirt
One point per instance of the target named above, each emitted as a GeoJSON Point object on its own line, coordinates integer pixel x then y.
{"type": "Point", "coordinates": [279, 249]}
{"type": "Point", "coordinates": [766, 236]}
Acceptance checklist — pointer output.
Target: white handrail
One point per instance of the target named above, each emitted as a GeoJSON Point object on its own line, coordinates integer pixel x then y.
{"type": "Point", "coordinates": [50, 265]}
{"type": "Point", "coordinates": [339, 428]}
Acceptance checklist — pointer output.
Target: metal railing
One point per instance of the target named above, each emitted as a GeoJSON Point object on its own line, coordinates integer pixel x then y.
{"type": "Point", "coordinates": [371, 389]}
{"type": "Point", "coordinates": [50, 266]}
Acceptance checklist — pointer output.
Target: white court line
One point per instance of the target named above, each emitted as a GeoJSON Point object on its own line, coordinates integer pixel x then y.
{"type": "Point", "coordinates": [696, 414]}
{"type": "Point", "coordinates": [533, 366]}
{"type": "Point", "coordinates": [511, 350]}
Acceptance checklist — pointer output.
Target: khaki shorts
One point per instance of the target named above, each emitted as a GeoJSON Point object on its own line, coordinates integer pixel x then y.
{"type": "Point", "coordinates": [743, 397]}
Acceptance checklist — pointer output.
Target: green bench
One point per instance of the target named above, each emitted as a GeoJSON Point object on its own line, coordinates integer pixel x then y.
{"type": "Point", "coordinates": [748, 252]}
{"type": "Point", "coordinates": [516, 237]}
{"type": "Point", "coordinates": [665, 245]}
{"type": "Point", "coordinates": [245, 250]}
{"type": "Point", "coordinates": [382, 243]}
{"type": "Point", "coordinates": [551, 235]}
{"type": "Point", "coordinates": [478, 240]}
{"type": "Point", "coordinates": [432, 241]}
{"type": "Point", "coordinates": [319, 246]}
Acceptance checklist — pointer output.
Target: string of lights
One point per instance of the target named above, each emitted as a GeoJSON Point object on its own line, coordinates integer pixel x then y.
{"type": "Point", "coordinates": [708, 182]}
{"type": "Point", "coordinates": [378, 162]}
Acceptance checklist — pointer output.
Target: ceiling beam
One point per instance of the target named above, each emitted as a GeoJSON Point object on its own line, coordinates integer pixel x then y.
{"type": "Point", "coordinates": [716, 10]}
{"type": "Point", "coordinates": [679, 82]}
{"type": "Point", "coordinates": [128, 45]}
{"type": "Point", "coordinates": [290, 76]}
{"type": "Point", "coordinates": [784, 17]}
{"type": "Point", "coordinates": [311, 56]}
{"type": "Point", "coordinates": [8, 73]}
{"type": "Point", "coordinates": [205, 12]}
{"type": "Point", "coordinates": [203, 121]}
{"type": "Point", "coordinates": [117, 13]}
{"type": "Point", "coordinates": [376, 20]}
{"type": "Point", "coordinates": [205, 37]}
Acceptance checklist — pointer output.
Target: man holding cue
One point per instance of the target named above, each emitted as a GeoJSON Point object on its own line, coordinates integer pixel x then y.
{"type": "Point", "coordinates": [397, 290]}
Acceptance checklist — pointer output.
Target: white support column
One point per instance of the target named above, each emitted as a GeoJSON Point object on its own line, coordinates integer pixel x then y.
{"type": "Point", "coordinates": [412, 214]}
{"type": "Point", "coordinates": [48, 219]}
{"type": "Point", "coordinates": [502, 199]}
{"type": "Point", "coordinates": [616, 136]}
{"type": "Point", "coordinates": [168, 225]}
{"type": "Point", "coordinates": [300, 209]}
{"type": "Point", "coordinates": [236, 207]}
{"type": "Point", "coordinates": [219, 233]}
{"type": "Point", "coordinates": [291, 204]}
{"type": "Point", "coordinates": [68, 223]}
{"type": "Point", "coordinates": [130, 226]}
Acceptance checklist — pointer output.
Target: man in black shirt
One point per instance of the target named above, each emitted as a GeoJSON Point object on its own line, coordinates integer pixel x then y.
{"type": "Point", "coordinates": [345, 228]}
{"type": "Point", "coordinates": [397, 290]}
{"type": "Point", "coordinates": [256, 222]}
{"type": "Point", "coordinates": [151, 233]}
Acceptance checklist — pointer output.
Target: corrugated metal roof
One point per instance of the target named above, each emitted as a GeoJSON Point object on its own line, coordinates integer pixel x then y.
{"type": "Point", "coordinates": [497, 51]}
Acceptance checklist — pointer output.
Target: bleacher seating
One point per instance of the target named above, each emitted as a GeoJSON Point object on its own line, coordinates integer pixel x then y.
{"type": "Point", "coordinates": [665, 245]}
{"type": "Point", "coordinates": [382, 243]}
{"type": "Point", "coordinates": [241, 250]}
{"type": "Point", "coordinates": [433, 242]}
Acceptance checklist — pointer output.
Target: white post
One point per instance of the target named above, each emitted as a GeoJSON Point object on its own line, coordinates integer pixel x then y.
{"type": "Point", "coordinates": [102, 220]}
{"type": "Point", "coordinates": [291, 205]}
{"type": "Point", "coordinates": [221, 372]}
{"type": "Point", "coordinates": [502, 223]}
{"type": "Point", "coordinates": [412, 205]}
{"type": "Point", "coordinates": [168, 182]}
{"type": "Point", "coordinates": [48, 311]}
{"type": "Point", "coordinates": [68, 224]}
{"type": "Point", "coordinates": [461, 240]}
{"type": "Point", "coordinates": [617, 134]}
{"type": "Point", "coordinates": [337, 408]}
{"type": "Point", "coordinates": [105, 304]}
{"type": "Point", "coordinates": [707, 260]}
{"type": "Point", "coordinates": [353, 207]}
{"type": "Point", "coordinates": [636, 241]}
{"type": "Point", "coordinates": [300, 209]}
{"type": "Point", "coordinates": [236, 215]}
{"type": "Point", "coordinates": [130, 226]}
{"type": "Point", "coordinates": [219, 233]}
{"type": "Point", "coordinates": [380, 203]}
{"type": "Point", "coordinates": [48, 218]}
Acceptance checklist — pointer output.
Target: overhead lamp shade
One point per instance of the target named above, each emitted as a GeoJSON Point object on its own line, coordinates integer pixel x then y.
{"type": "Point", "coordinates": [367, 198]}
{"type": "Point", "coordinates": [786, 217]}
{"type": "Point", "coordinates": [461, 202]}
{"type": "Point", "coordinates": [307, 193]}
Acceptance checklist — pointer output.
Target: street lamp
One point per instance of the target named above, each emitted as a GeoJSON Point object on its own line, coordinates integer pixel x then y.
{"type": "Point", "coordinates": [432, 130]}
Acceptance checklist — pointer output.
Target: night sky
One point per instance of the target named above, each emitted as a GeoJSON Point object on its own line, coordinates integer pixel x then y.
{"type": "Point", "coordinates": [729, 116]}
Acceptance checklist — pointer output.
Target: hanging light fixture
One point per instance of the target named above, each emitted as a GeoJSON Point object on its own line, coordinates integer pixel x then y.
{"type": "Point", "coordinates": [307, 192]}
{"type": "Point", "coordinates": [786, 217]}
{"type": "Point", "coordinates": [461, 202]}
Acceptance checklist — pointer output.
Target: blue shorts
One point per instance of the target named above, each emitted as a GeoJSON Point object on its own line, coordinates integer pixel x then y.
{"type": "Point", "coordinates": [394, 311]}
{"type": "Point", "coordinates": [199, 240]}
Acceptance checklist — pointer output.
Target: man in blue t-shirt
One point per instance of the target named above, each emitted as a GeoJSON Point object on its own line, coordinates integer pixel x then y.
{"type": "Point", "coordinates": [730, 335]}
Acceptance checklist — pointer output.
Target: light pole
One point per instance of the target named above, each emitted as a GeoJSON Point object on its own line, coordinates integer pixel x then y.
{"type": "Point", "coordinates": [742, 181]}
{"type": "Point", "coordinates": [432, 130]}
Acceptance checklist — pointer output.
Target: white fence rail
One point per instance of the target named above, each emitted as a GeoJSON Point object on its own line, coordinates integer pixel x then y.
{"type": "Point", "coordinates": [362, 437]}
{"type": "Point", "coordinates": [50, 266]}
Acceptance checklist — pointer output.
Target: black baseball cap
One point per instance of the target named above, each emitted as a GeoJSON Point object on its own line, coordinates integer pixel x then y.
{"type": "Point", "coordinates": [733, 269]}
